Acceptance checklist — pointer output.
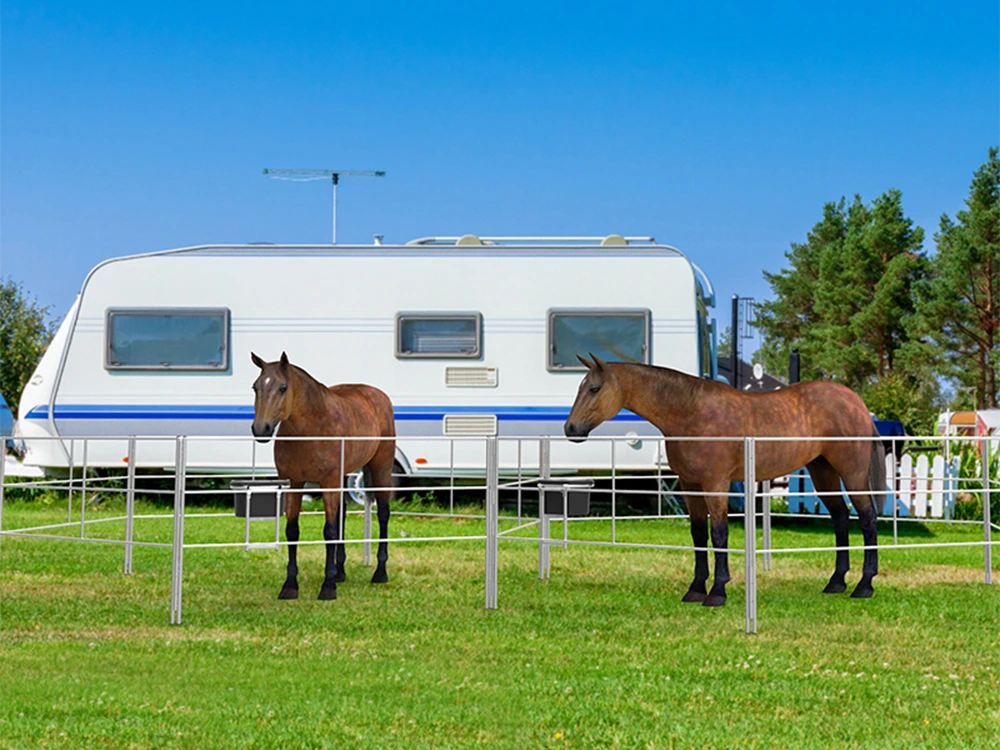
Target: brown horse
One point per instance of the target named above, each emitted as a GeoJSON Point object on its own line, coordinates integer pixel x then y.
{"type": "Point", "coordinates": [682, 405]}
{"type": "Point", "coordinates": [304, 407]}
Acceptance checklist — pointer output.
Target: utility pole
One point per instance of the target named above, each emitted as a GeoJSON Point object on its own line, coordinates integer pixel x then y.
{"type": "Point", "coordinates": [310, 175]}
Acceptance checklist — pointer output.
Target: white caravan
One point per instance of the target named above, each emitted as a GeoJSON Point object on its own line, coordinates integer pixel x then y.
{"type": "Point", "coordinates": [469, 336]}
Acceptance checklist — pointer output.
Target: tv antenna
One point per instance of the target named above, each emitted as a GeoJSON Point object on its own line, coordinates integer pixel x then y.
{"type": "Point", "coordinates": [310, 175]}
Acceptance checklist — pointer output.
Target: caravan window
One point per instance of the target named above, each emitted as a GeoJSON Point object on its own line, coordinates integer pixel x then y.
{"type": "Point", "coordinates": [439, 335]}
{"type": "Point", "coordinates": [167, 339]}
{"type": "Point", "coordinates": [613, 335]}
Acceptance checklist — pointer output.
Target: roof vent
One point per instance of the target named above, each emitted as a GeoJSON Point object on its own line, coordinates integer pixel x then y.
{"type": "Point", "coordinates": [614, 239]}
{"type": "Point", "coordinates": [469, 239]}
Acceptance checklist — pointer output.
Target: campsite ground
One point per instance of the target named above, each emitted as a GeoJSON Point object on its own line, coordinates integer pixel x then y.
{"type": "Point", "coordinates": [604, 654]}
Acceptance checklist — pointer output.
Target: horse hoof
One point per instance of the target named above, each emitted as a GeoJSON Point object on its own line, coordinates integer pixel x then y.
{"type": "Point", "coordinates": [695, 596]}
{"type": "Point", "coordinates": [714, 600]}
{"type": "Point", "coordinates": [862, 593]}
{"type": "Point", "coordinates": [326, 594]}
{"type": "Point", "coordinates": [835, 587]}
{"type": "Point", "coordinates": [380, 576]}
{"type": "Point", "coordinates": [340, 577]}
{"type": "Point", "coordinates": [289, 593]}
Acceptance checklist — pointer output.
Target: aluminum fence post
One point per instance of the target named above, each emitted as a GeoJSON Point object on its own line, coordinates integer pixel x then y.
{"type": "Point", "coordinates": [750, 531]}
{"type": "Point", "coordinates": [3, 479]}
{"type": "Point", "coordinates": [129, 506]}
{"type": "Point", "coordinates": [987, 547]}
{"type": "Point", "coordinates": [766, 507]}
{"type": "Point", "coordinates": [177, 573]}
{"type": "Point", "coordinates": [544, 472]}
{"type": "Point", "coordinates": [83, 491]}
{"type": "Point", "coordinates": [894, 482]}
{"type": "Point", "coordinates": [69, 498]}
{"type": "Point", "coordinates": [492, 510]}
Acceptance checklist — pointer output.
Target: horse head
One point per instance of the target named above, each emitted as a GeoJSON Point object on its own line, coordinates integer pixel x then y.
{"type": "Point", "coordinates": [598, 399]}
{"type": "Point", "coordinates": [272, 401]}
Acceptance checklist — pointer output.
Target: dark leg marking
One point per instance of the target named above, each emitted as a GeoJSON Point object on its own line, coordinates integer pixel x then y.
{"type": "Point", "coordinates": [869, 530]}
{"type": "Point", "coordinates": [380, 576]}
{"type": "Point", "coordinates": [720, 540]}
{"type": "Point", "coordinates": [341, 549]}
{"type": "Point", "coordinates": [329, 590]}
{"type": "Point", "coordinates": [290, 590]}
{"type": "Point", "coordinates": [841, 517]}
{"type": "Point", "coordinates": [699, 536]}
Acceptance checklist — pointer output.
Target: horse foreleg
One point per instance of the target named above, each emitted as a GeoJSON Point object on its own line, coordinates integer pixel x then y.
{"type": "Point", "coordinates": [331, 533]}
{"type": "Point", "coordinates": [698, 511]}
{"type": "Point", "coordinates": [293, 504]}
{"type": "Point", "coordinates": [718, 509]}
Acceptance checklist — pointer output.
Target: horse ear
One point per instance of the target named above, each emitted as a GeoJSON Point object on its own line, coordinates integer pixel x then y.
{"type": "Point", "coordinates": [598, 364]}
{"type": "Point", "coordinates": [588, 365]}
{"type": "Point", "coordinates": [257, 360]}
{"type": "Point", "coordinates": [284, 361]}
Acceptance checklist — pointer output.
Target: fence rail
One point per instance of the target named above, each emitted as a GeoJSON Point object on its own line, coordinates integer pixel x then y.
{"type": "Point", "coordinates": [925, 490]}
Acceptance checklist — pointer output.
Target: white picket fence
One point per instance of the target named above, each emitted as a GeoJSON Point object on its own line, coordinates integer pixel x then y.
{"type": "Point", "coordinates": [926, 489]}
{"type": "Point", "coordinates": [922, 488]}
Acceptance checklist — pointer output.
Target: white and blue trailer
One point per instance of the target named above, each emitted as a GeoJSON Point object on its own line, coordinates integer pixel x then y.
{"type": "Point", "coordinates": [469, 336]}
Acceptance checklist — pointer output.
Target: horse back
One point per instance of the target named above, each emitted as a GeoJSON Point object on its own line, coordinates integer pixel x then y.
{"type": "Point", "coordinates": [367, 409]}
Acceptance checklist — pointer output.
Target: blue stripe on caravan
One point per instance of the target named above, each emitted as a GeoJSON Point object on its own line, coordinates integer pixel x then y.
{"type": "Point", "coordinates": [402, 413]}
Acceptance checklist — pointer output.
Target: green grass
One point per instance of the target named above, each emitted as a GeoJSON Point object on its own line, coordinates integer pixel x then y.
{"type": "Point", "coordinates": [603, 655]}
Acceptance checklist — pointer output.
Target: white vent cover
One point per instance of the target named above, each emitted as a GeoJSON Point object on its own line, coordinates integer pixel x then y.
{"type": "Point", "coordinates": [470, 377]}
{"type": "Point", "coordinates": [470, 424]}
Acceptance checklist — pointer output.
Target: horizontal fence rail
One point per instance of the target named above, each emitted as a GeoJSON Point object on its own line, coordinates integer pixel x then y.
{"type": "Point", "coordinates": [925, 489]}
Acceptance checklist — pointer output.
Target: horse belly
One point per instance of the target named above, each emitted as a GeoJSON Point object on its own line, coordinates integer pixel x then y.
{"type": "Point", "coordinates": [780, 457]}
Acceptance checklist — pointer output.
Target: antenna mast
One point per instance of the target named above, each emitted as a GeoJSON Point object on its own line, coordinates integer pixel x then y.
{"type": "Point", "coordinates": [309, 175]}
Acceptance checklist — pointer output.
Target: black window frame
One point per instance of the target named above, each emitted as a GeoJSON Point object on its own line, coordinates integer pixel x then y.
{"type": "Point", "coordinates": [223, 312]}
{"type": "Point", "coordinates": [553, 312]}
{"type": "Point", "coordinates": [402, 317]}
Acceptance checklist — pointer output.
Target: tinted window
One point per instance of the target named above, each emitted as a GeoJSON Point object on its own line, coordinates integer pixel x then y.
{"type": "Point", "coordinates": [168, 339]}
{"type": "Point", "coordinates": [438, 335]}
{"type": "Point", "coordinates": [616, 336]}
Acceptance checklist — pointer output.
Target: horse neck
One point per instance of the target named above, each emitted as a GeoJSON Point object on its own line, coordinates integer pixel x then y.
{"type": "Point", "coordinates": [664, 397]}
{"type": "Point", "coordinates": [309, 399]}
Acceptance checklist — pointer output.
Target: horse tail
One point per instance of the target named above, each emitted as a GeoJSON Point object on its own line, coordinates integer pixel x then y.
{"type": "Point", "coordinates": [876, 473]}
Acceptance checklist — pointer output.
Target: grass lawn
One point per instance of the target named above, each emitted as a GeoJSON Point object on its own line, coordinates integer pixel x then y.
{"type": "Point", "coordinates": [603, 655]}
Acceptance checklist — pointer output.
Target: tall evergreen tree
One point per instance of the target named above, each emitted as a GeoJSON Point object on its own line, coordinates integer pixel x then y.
{"type": "Point", "coordinates": [846, 299]}
{"type": "Point", "coordinates": [958, 306]}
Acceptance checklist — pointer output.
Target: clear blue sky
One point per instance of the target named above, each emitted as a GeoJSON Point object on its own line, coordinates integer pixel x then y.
{"type": "Point", "coordinates": [720, 128]}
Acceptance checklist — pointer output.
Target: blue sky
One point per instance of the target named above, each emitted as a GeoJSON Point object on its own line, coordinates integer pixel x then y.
{"type": "Point", "coordinates": [720, 128]}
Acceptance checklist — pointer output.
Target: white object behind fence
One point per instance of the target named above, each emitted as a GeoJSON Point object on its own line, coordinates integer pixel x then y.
{"type": "Point", "coordinates": [925, 488]}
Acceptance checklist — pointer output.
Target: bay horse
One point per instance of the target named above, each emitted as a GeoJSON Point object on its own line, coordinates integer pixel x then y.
{"type": "Point", "coordinates": [679, 405]}
{"type": "Point", "coordinates": [291, 400]}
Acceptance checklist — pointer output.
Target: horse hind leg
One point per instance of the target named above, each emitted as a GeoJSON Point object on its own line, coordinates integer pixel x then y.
{"type": "Point", "coordinates": [857, 489]}
{"type": "Point", "coordinates": [340, 553]}
{"type": "Point", "coordinates": [378, 473]}
{"type": "Point", "coordinates": [826, 480]}
{"type": "Point", "coordinates": [332, 502]}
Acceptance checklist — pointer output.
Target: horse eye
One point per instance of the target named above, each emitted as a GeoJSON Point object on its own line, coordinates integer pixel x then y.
{"type": "Point", "coordinates": [595, 388]}
{"type": "Point", "coordinates": [282, 388]}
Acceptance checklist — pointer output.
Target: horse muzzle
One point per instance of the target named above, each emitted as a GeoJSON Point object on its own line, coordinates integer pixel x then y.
{"type": "Point", "coordinates": [263, 432]}
{"type": "Point", "coordinates": [576, 433]}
